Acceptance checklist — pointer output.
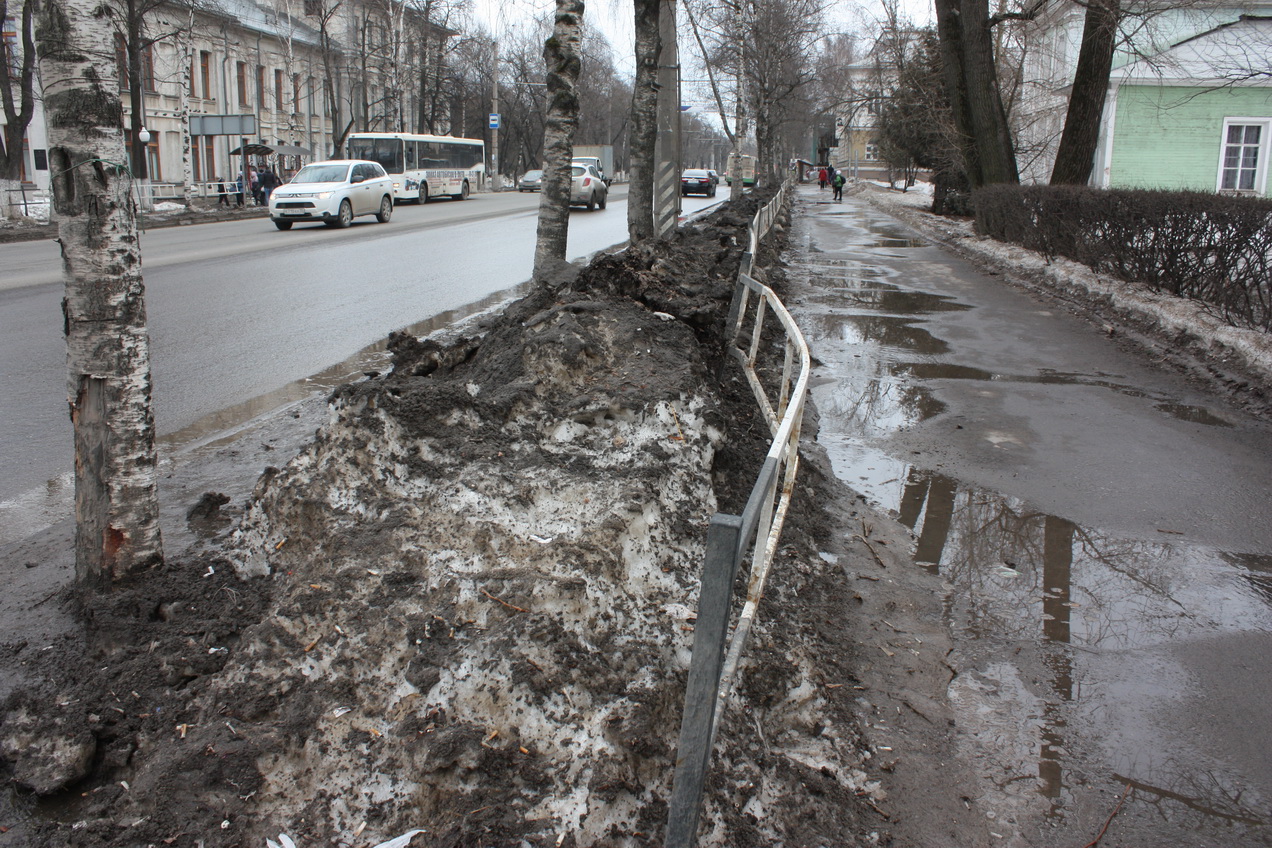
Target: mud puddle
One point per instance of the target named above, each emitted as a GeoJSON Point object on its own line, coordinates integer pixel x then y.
{"type": "Point", "coordinates": [1089, 659]}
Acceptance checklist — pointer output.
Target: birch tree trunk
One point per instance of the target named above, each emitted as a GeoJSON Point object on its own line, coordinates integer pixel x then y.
{"type": "Point", "coordinates": [563, 57]}
{"type": "Point", "coordinates": [644, 131]}
{"type": "Point", "coordinates": [187, 80]}
{"type": "Point", "coordinates": [107, 348]}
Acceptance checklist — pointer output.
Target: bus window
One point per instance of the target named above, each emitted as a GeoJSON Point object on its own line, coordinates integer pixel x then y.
{"type": "Point", "coordinates": [410, 155]}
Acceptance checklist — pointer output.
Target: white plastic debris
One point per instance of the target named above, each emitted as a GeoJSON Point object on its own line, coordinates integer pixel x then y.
{"type": "Point", "coordinates": [284, 841]}
{"type": "Point", "coordinates": [339, 711]}
{"type": "Point", "coordinates": [400, 841]}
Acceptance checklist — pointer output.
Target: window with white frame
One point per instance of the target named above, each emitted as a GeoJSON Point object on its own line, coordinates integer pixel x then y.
{"type": "Point", "coordinates": [1243, 161]}
{"type": "Point", "coordinates": [872, 152]}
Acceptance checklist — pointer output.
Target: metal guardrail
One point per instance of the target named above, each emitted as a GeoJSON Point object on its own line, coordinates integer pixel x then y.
{"type": "Point", "coordinates": [29, 202]}
{"type": "Point", "coordinates": [712, 670]}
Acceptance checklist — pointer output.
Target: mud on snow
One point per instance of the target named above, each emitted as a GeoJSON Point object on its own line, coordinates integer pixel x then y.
{"type": "Point", "coordinates": [467, 608]}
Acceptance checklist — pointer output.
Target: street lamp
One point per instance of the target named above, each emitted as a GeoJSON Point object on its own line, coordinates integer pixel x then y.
{"type": "Point", "coordinates": [143, 190]}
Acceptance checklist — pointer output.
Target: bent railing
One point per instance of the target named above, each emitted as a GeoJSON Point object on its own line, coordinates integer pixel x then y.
{"type": "Point", "coordinates": [730, 537]}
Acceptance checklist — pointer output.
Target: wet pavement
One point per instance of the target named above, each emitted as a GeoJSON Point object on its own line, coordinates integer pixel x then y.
{"type": "Point", "coordinates": [1101, 527]}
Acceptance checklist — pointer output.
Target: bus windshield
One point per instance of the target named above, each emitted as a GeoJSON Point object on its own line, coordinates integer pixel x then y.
{"type": "Point", "coordinates": [386, 151]}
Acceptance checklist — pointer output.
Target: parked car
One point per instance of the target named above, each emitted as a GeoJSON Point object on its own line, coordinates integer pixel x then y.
{"type": "Point", "coordinates": [586, 187]}
{"type": "Point", "coordinates": [334, 192]}
{"type": "Point", "coordinates": [531, 181]}
{"type": "Point", "coordinates": [697, 181]}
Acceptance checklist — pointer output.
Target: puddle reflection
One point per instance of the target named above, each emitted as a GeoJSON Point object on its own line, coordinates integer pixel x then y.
{"type": "Point", "coordinates": [1093, 607]}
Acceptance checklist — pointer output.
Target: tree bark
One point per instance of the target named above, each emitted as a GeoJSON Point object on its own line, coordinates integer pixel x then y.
{"type": "Point", "coordinates": [971, 82]}
{"type": "Point", "coordinates": [563, 58]}
{"type": "Point", "coordinates": [108, 351]}
{"type": "Point", "coordinates": [187, 81]}
{"type": "Point", "coordinates": [644, 122]}
{"type": "Point", "coordinates": [1076, 155]}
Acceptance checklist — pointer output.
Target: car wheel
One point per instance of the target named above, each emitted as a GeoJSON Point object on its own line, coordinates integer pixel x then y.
{"type": "Point", "coordinates": [604, 200]}
{"type": "Point", "coordinates": [283, 225]}
{"type": "Point", "coordinates": [386, 210]}
{"type": "Point", "coordinates": [591, 202]}
{"type": "Point", "coordinates": [346, 215]}
{"type": "Point", "coordinates": [423, 193]}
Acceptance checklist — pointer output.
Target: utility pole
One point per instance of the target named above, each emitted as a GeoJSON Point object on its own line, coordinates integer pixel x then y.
{"type": "Point", "coordinates": [667, 146]}
{"type": "Point", "coordinates": [496, 183]}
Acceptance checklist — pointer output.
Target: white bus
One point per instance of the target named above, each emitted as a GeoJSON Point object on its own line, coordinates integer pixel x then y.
{"type": "Point", "coordinates": [423, 166]}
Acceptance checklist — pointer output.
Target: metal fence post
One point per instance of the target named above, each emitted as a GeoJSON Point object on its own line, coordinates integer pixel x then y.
{"type": "Point", "coordinates": [697, 725]}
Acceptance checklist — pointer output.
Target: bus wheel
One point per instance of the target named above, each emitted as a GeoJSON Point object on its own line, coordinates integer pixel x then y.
{"type": "Point", "coordinates": [463, 192]}
{"type": "Point", "coordinates": [423, 198]}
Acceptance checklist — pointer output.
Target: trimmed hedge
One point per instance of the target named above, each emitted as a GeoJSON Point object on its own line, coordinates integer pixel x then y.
{"type": "Point", "coordinates": [1205, 247]}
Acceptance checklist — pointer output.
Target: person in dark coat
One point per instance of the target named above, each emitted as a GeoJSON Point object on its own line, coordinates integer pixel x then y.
{"type": "Point", "coordinates": [269, 182]}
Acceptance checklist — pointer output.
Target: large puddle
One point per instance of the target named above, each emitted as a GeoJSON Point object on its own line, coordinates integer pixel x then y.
{"type": "Point", "coordinates": [1088, 654]}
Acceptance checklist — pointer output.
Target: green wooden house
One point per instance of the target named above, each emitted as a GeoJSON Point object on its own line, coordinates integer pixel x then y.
{"type": "Point", "coordinates": [1189, 108]}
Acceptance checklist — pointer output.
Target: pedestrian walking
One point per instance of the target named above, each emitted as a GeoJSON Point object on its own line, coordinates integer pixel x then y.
{"type": "Point", "coordinates": [224, 190]}
{"type": "Point", "coordinates": [238, 189]}
{"type": "Point", "coordinates": [269, 182]}
{"type": "Point", "coordinates": [821, 179]}
{"type": "Point", "coordinates": [837, 182]}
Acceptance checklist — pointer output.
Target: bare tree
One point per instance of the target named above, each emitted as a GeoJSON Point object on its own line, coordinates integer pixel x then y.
{"type": "Point", "coordinates": [108, 350]}
{"type": "Point", "coordinates": [766, 47]}
{"type": "Point", "coordinates": [17, 89]}
{"type": "Point", "coordinates": [563, 59]}
{"type": "Point", "coordinates": [715, 69]}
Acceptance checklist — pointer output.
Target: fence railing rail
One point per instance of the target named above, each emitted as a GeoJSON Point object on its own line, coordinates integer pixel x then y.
{"type": "Point", "coordinates": [713, 669]}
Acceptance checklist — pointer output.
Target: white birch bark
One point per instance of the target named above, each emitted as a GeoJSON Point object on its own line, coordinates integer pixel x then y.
{"type": "Point", "coordinates": [187, 71]}
{"type": "Point", "coordinates": [562, 55]}
{"type": "Point", "coordinates": [108, 350]}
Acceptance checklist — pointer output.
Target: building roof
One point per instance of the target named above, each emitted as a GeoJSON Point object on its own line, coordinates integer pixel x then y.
{"type": "Point", "coordinates": [1231, 53]}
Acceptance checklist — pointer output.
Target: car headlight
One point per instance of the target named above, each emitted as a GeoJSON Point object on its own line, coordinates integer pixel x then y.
{"type": "Point", "coordinates": [323, 195]}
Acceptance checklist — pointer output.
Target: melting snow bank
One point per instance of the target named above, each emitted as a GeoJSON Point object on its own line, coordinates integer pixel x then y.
{"type": "Point", "coordinates": [489, 557]}
{"type": "Point", "coordinates": [1173, 328]}
{"type": "Point", "coordinates": [467, 609]}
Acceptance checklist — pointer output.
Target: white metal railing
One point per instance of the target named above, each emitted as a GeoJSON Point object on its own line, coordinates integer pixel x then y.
{"type": "Point", "coordinates": [27, 201]}
{"type": "Point", "coordinates": [712, 671]}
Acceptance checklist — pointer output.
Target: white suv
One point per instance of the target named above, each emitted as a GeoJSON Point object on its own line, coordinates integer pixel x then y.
{"type": "Point", "coordinates": [587, 188]}
{"type": "Point", "coordinates": [334, 192]}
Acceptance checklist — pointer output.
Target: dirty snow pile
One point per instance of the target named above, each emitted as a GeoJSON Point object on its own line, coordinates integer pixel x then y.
{"type": "Point", "coordinates": [486, 552]}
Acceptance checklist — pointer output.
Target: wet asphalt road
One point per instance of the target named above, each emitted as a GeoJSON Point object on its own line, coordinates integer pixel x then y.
{"type": "Point", "coordinates": [1102, 527]}
{"type": "Point", "coordinates": [244, 318]}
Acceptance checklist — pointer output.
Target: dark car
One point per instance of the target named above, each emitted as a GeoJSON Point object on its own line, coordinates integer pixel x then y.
{"type": "Point", "coordinates": [697, 181]}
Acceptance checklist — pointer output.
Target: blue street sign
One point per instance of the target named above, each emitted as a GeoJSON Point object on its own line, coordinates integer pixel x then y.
{"type": "Point", "coordinates": [494, 120]}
